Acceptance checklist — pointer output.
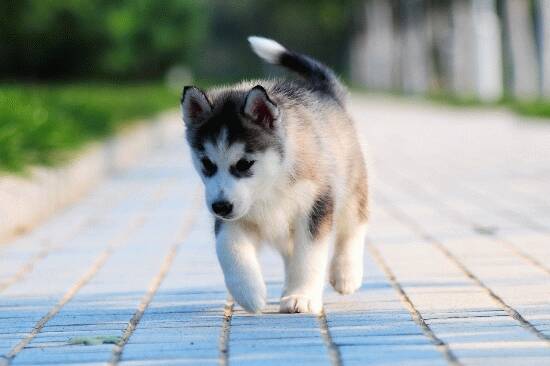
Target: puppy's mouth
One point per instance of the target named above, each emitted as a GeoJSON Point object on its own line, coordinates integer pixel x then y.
{"type": "Point", "coordinates": [231, 217]}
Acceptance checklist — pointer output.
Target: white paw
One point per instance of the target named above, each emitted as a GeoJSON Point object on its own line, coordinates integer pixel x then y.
{"type": "Point", "coordinates": [346, 278]}
{"type": "Point", "coordinates": [300, 304]}
{"type": "Point", "coordinates": [252, 298]}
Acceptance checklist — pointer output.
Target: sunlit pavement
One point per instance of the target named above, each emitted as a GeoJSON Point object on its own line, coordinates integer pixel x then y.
{"type": "Point", "coordinates": [457, 268]}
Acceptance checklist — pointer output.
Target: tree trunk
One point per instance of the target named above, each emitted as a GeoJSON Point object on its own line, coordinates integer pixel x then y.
{"type": "Point", "coordinates": [358, 60]}
{"type": "Point", "coordinates": [415, 58]}
{"type": "Point", "coordinates": [488, 50]}
{"type": "Point", "coordinates": [525, 81]}
{"type": "Point", "coordinates": [379, 44]}
{"type": "Point", "coordinates": [441, 39]}
{"type": "Point", "coordinates": [544, 7]}
{"type": "Point", "coordinates": [463, 59]}
{"type": "Point", "coordinates": [372, 50]}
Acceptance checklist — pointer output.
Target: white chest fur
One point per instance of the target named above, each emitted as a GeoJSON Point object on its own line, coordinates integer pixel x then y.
{"type": "Point", "coordinates": [277, 213]}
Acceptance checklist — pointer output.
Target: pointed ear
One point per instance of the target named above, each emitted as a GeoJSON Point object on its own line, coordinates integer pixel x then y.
{"type": "Point", "coordinates": [259, 108]}
{"type": "Point", "coordinates": [195, 106]}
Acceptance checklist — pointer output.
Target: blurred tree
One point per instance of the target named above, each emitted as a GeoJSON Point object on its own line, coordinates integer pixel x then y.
{"type": "Point", "coordinates": [476, 52]}
{"type": "Point", "coordinates": [372, 58]}
{"type": "Point", "coordinates": [489, 83]}
{"type": "Point", "coordinates": [146, 37]}
{"type": "Point", "coordinates": [416, 65]}
{"type": "Point", "coordinates": [519, 27]}
{"type": "Point", "coordinates": [441, 38]}
{"type": "Point", "coordinates": [463, 60]}
{"type": "Point", "coordinates": [136, 39]}
{"type": "Point", "coordinates": [47, 39]}
{"type": "Point", "coordinates": [320, 28]}
{"type": "Point", "coordinates": [544, 6]}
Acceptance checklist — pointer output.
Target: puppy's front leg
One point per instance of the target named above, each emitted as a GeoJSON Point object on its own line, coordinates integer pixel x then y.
{"type": "Point", "coordinates": [306, 275]}
{"type": "Point", "coordinates": [236, 251]}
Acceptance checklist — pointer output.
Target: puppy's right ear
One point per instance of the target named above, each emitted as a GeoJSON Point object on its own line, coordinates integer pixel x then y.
{"type": "Point", "coordinates": [195, 106]}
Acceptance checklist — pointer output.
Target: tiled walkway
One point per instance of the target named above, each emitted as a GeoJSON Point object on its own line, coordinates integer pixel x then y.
{"type": "Point", "coordinates": [457, 268]}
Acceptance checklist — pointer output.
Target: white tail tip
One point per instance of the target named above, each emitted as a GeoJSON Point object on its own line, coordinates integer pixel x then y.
{"type": "Point", "coordinates": [266, 48]}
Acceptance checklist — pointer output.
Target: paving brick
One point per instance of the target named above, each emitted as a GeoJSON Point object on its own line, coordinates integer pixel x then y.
{"type": "Point", "coordinates": [459, 216]}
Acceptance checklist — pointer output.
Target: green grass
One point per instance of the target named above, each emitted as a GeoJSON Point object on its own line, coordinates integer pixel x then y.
{"type": "Point", "coordinates": [462, 101]}
{"type": "Point", "coordinates": [43, 124]}
{"type": "Point", "coordinates": [539, 108]}
{"type": "Point", "coordinates": [531, 108]}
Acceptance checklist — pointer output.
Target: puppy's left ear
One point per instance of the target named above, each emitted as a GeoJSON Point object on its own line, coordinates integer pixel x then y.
{"type": "Point", "coordinates": [195, 106]}
{"type": "Point", "coordinates": [259, 108]}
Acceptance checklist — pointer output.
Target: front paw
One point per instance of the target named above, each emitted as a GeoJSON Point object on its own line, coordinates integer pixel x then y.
{"type": "Point", "coordinates": [300, 304]}
{"type": "Point", "coordinates": [251, 298]}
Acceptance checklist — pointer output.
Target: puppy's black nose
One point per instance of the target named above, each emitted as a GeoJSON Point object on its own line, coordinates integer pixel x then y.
{"type": "Point", "coordinates": [222, 208]}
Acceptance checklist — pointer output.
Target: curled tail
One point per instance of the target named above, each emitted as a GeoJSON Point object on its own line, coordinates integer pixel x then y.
{"type": "Point", "coordinates": [318, 76]}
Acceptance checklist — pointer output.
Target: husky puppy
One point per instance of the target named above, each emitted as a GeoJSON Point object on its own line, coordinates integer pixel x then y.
{"type": "Point", "coordinates": [281, 164]}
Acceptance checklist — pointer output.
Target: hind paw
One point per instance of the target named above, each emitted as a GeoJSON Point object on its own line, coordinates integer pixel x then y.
{"type": "Point", "coordinates": [346, 279]}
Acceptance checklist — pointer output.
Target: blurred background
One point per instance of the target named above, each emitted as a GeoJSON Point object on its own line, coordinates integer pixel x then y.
{"type": "Point", "coordinates": [131, 40]}
{"type": "Point", "coordinates": [84, 66]}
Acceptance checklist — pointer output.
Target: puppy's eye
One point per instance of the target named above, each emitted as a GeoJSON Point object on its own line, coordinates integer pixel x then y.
{"type": "Point", "coordinates": [243, 165]}
{"type": "Point", "coordinates": [208, 167]}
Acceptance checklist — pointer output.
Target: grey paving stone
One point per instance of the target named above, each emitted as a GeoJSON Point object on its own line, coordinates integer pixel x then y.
{"type": "Point", "coordinates": [472, 181]}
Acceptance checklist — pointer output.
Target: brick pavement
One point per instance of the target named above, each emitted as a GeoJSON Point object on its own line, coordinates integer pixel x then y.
{"type": "Point", "coordinates": [457, 269]}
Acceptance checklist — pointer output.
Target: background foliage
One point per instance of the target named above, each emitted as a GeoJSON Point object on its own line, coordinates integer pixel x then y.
{"type": "Point", "coordinates": [142, 39]}
{"type": "Point", "coordinates": [69, 39]}
{"type": "Point", "coordinates": [40, 124]}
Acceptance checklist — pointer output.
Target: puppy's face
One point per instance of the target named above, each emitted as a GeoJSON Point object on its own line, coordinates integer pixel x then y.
{"type": "Point", "coordinates": [236, 147]}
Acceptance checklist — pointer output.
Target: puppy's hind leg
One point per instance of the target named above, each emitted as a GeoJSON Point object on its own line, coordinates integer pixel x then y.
{"type": "Point", "coordinates": [346, 268]}
{"type": "Point", "coordinates": [237, 255]}
{"type": "Point", "coordinates": [306, 270]}
{"type": "Point", "coordinates": [305, 276]}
